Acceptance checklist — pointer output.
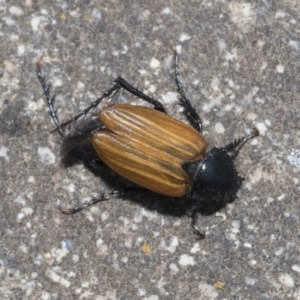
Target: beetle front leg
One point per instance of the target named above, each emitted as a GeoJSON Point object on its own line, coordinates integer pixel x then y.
{"type": "Point", "coordinates": [193, 216]}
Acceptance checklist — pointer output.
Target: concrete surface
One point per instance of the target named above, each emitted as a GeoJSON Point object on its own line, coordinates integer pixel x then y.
{"type": "Point", "coordinates": [240, 65]}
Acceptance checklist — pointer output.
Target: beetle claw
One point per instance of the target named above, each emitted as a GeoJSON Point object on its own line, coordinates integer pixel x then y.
{"type": "Point", "coordinates": [200, 235]}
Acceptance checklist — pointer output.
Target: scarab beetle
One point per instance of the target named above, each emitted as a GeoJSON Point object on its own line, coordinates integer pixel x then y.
{"type": "Point", "coordinates": [153, 150]}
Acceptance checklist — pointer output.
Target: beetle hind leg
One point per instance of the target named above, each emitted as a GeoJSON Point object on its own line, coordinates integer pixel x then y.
{"type": "Point", "coordinates": [114, 89]}
{"type": "Point", "coordinates": [87, 203]}
{"type": "Point", "coordinates": [50, 100]}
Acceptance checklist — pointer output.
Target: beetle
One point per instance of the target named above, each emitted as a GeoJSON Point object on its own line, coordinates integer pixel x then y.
{"type": "Point", "coordinates": [153, 150]}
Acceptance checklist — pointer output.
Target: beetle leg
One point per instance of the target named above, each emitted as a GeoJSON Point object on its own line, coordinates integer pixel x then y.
{"type": "Point", "coordinates": [81, 136]}
{"type": "Point", "coordinates": [240, 141]}
{"type": "Point", "coordinates": [193, 215]}
{"type": "Point", "coordinates": [50, 100]}
{"type": "Point", "coordinates": [185, 101]}
{"type": "Point", "coordinates": [132, 90]}
{"type": "Point", "coordinates": [92, 201]}
{"type": "Point", "coordinates": [69, 144]}
{"type": "Point", "coordinates": [114, 89]}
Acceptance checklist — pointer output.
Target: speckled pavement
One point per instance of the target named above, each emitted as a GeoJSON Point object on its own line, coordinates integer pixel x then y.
{"type": "Point", "coordinates": [240, 66]}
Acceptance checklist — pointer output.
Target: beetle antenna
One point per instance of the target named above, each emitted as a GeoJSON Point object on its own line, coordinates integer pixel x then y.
{"type": "Point", "coordinates": [238, 143]}
{"type": "Point", "coordinates": [186, 102]}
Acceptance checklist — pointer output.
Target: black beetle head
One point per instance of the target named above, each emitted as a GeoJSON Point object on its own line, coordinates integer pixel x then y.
{"type": "Point", "coordinates": [215, 178]}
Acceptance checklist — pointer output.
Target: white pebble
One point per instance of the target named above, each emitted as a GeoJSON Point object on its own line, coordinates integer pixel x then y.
{"type": "Point", "coordinates": [152, 297]}
{"type": "Point", "coordinates": [104, 216]}
{"type": "Point", "coordinates": [56, 278]}
{"type": "Point", "coordinates": [262, 128]}
{"type": "Point", "coordinates": [152, 88]}
{"type": "Point", "coordinates": [174, 268]}
{"type": "Point", "coordinates": [173, 244]}
{"type": "Point", "coordinates": [15, 10]}
{"type": "Point", "coordinates": [166, 11]}
{"type": "Point", "coordinates": [296, 268]}
{"type": "Point", "coordinates": [75, 258]}
{"type": "Point", "coordinates": [71, 187]}
{"type": "Point", "coordinates": [169, 97]}
{"type": "Point", "coordinates": [184, 37]}
{"type": "Point", "coordinates": [46, 155]}
{"type": "Point", "coordinates": [35, 22]}
{"type": "Point", "coordinates": [154, 63]}
{"type": "Point", "coordinates": [9, 21]}
{"type": "Point", "coordinates": [280, 69]}
{"type": "Point", "coordinates": [196, 248]}
{"type": "Point", "coordinates": [186, 260]}
{"type": "Point", "coordinates": [250, 281]}
{"type": "Point", "coordinates": [3, 151]}
{"type": "Point", "coordinates": [21, 50]}
{"type": "Point", "coordinates": [27, 211]}
{"type": "Point", "coordinates": [31, 179]}
{"type": "Point", "coordinates": [219, 128]}
{"type": "Point", "coordinates": [286, 280]}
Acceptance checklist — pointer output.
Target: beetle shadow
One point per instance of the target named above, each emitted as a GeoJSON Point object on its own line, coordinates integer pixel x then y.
{"type": "Point", "coordinates": [151, 201]}
{"type": "Point", "coordinates": [176, 207]}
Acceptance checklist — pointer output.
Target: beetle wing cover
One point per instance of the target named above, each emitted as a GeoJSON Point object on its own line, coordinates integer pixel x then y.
{"type": "Point", "coordinates": [148, 147]}
{"type": "Point", "coordinates": [158, 129]}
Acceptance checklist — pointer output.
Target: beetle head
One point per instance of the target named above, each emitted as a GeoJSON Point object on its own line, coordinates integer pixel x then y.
{"type": "Point", "coordinates": [215, 178]}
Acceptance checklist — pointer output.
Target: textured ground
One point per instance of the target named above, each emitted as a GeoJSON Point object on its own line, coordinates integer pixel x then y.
{"type": "Point", "coordinates": [240, 65]}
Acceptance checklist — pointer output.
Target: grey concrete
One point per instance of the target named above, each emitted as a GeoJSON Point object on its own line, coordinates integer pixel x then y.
{"type": "Point", "coordinates": [240, 65]}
